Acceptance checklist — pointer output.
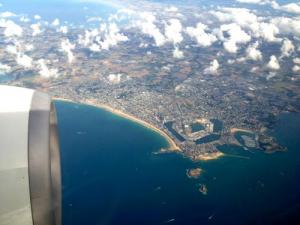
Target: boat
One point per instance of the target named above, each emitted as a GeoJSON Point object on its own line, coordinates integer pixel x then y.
{"type": "Point", "coordinates": [203, 189]}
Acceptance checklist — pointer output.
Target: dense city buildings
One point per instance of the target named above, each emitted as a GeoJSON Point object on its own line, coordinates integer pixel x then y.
{"type": "Point", "coordinates": [201, 94]}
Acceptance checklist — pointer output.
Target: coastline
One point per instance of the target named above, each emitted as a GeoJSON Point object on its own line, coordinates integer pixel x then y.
{"type": "Point", "coordinates": [209, 156]}
{"type": "Point", "coordinates": [234, 130]}
{"type": "Point", "coordinates": [172, 145]}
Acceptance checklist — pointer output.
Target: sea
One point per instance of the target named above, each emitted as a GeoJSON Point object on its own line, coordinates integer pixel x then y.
{"type": "Point", "coordinates": [112, 174]}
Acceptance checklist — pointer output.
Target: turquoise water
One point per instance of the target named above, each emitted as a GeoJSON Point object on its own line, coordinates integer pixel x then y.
{"type": "Point", "coordinates": [5, 78]}
{"type": "Point", "coordinates": [111, 175]}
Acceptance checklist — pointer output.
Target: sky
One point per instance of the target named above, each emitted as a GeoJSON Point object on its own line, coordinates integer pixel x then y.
{"type": "Point", "coordinates": [71, 11]}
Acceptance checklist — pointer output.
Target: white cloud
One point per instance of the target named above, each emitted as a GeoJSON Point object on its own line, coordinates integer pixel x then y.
{"type": "Point", "coordinates": [177, 53]}
{"type": "Point", "coordinates": [36, 29]}
{"type": "Point", "coordinates": [121, 15]}
{"type": "Point", "coordinates": [230, 46]}
{"type": "Point", "coordinates": [24, 60]}
{"type": "Point", "coordinates": [126, 11]}
{"type": "Point", "coordinates": [4, 69]}
{"type": "Point", "coordinates": [45, 71]}
{"type": "Point", "coordinates": [231, 61]}
{"type": "Point", "coordinates": [253, 53]}
{"type": "Point", "coordinates": [7, 14]}
{"type": "Point", "coordinates": [254, 69]}
{"type": "Point", "coordinates": [171, 9]}
{"type": "Point", "coordinates": [296, 60]}
{"type": "Point", "coordinates": [267, 31]}
{"type": "Point", "coordinates": [63, 29]}
{"type": "Point", "coordinates": [273, 64]}
{"type": "Point", "coordinates": [236, 36]}
{"type": "Point", "coordinates": [55, 22]}
{"type": "Point", "coordinates": [24, 19]}
{"type": "Point", "coordinates": [94, 19]}
{"type": "Point", "coordinates": [249, 21]}
{"type": "Point", "coordinates": [103, 38]}
{"type": "Point", "coordinates": [287, 48]}
{"type": "Point", "coordinates": [17, 47]}
{"type": "Point", "coordinates": [10, 28]}
{"type": "Point", "coordinates": [203, 38]}
{"type": "Point", "coordinates": [112, 3]}
{"type": "Point", "coordinates": [95, 47]}
{"type": "Point", "coordinates": [29, 47]}
{"type": "Point", "coordinates": [296, 69]}
{"type": "Point", "coordinates": [272, 3]}
{"type": "Point", "coordinates": [173, 31]}
{"type": "Point", "coordinates": [114, 78]}
{"type": "Point", "coordinates": [287, 25]}
{"type": "Point", "coordinates": [67, 47]}
{"type": "Point", "coordinates": [213, 68]}
{"type": "Point", "coordinates": [143, 45]}
{"type": "Point", "coordinates": [88, 37]}
{"type": "Point", "coordinates": [147, 26]}
{"type": "Point", "coordinates": [271, 75]}
{"type": "Point", "coordinates": [241, 16]}
{"type": "Point", "coordinates": [112, 37]}
{"type": "Point", "coordinates": [291, 8]}
{"type": "Point", "coordinates": [12, 49]}
{"type": "Point", "coordinates": [241, 59]}
{"type": "Point", "coordinates": [37, 17]}
{"type": "Point", "coordinates": [260, 2]}
{"type": "Point", "coordinates": [250, 1]}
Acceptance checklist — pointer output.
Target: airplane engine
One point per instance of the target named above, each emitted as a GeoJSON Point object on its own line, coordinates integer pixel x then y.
{"type": "Point", "coordinates": [30, 173]}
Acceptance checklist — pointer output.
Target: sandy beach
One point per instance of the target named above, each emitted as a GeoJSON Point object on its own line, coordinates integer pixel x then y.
{"type": "Point", "coordinates": [234, 130]}
{"type": "Point", "coordinates": [172, 144]}
{"type": "Point", "coordinates": [208, 156]}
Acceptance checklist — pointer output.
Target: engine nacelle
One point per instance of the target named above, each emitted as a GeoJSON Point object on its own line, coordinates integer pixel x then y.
{"type": "Point", "coordinates": [30, 173]}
